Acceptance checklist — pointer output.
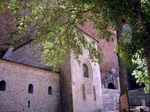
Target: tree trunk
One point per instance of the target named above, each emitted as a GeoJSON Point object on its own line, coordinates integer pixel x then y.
{"type": "Point", "coordinates": [123, 83]}
{"type": "Point", "coordinates": [122, 76]}
{"type": "Point", "coordinates": [148, 63]}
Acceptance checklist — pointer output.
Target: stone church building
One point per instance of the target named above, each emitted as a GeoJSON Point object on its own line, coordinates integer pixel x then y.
{"type": "Point", "coordinates": [26, 85]}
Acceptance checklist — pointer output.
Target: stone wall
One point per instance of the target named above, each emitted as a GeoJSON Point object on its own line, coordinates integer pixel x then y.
{"type": "Point", "coordinates": [136, 97]}
{"type": "Point", "coordinates": [86, 91]}
{"type": "Point", "coordinates": [66, 101]}
{"type": "Point", "coordinates": [16, 97]}
{"type": "Point", "coordinates": [111, 100]}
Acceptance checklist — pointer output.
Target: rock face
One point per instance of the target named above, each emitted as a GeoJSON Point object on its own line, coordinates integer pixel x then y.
{"type": "Point", "coordinates": [9, 34]}
{"type": "Point", "coordinates": [7, 26]}
{"type": "Point", "coordinates": [109, 59]}
{"type": "Point", "coordinates": [3, 33]}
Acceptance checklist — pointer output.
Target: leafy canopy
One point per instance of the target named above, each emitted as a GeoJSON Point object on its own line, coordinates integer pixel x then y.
{"type": "Point", "coordinates": [55, 25]}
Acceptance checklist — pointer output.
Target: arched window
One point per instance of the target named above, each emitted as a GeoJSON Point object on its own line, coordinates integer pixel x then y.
{"type": "Point", "coordinates": [28, 103]}
{"type": "Point", "coordinates": [2, 85]}
{"type": "Point", "coordinates": [84, 93]}
{"type": "Point", "coordinates": [85, 71]}
{"type": "Point", "coordinates": [30, 88]}
{"type": "Point", "coordinates": [50, 90]}
{"type": "Point", "coordinates": [111, 86]}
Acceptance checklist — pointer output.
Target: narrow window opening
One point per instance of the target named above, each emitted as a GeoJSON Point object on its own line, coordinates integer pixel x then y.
{"type": "Point", "coordinates": [50, 90]}
{"type": "Point", "coordinates": [85, 71]}
{"type": "Point", "coordinates": [2, 85]}
{"type": "Point", "coordinates": [30, 88]}
{"type": "Point", "coordinates": [29, 104]}
{"type": "Point", "coordinates": [84, 93]}
{"type": "Point", "coordinates": [94, 92]}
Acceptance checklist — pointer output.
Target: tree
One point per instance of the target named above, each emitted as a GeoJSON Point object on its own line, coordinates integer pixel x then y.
{"type": "Point", "coordinates": [57, 32]}
{"type": "Point", "coordinates": [55, 25]}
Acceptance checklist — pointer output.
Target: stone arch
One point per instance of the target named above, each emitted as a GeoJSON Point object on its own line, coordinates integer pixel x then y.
{"type": "Point", "coordinates": [2, 85]}
{"type": "Point", "coordinates": [111, 86]}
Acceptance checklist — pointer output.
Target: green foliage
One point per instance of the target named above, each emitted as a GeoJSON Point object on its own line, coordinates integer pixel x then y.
{"type": "Point", "coordinates": [141, 71]}
{"type": "Point", "coordinates": [54, 25]}
{"type": "Point", "coordinates": [13, 5]}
